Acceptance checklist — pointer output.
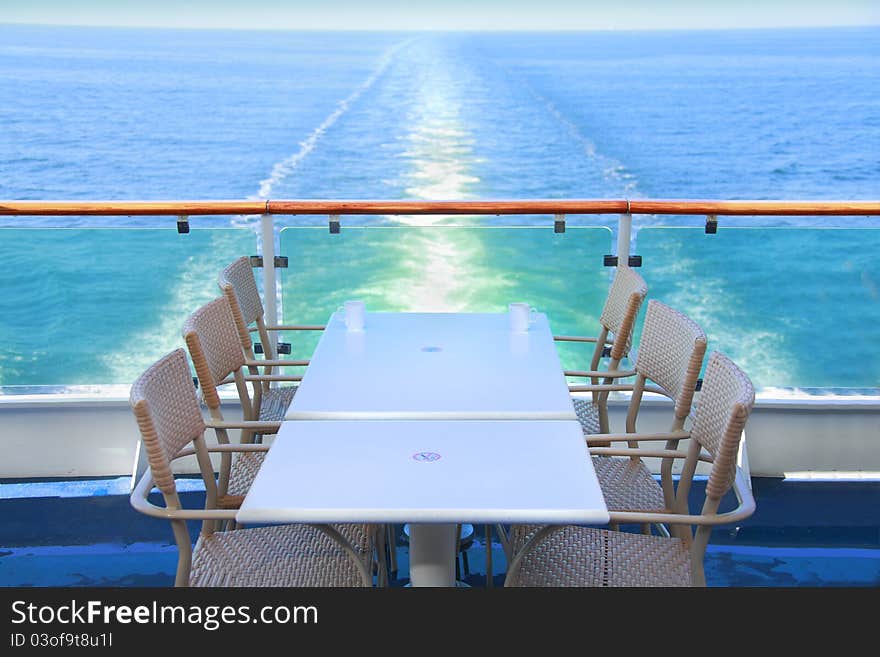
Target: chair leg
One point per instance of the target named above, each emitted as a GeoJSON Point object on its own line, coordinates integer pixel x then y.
{"type": "Point", "coordinates": [505, 542]}
{"type": "Point", "coordinates": [381, 558]}
{"type": "Point", "coordinates": [458, 551]}
{"type": "Point", "coordinates": [661, 530]}
{"type": "Point", "coordinates": [391, 539]}
{"type": "Point", "coordinates": [490, 571]}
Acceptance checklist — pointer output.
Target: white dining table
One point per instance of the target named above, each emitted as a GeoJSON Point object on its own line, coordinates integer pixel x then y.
{"type": "Point", "coordinates": [431, 419]}
{"type": "Point", "coordinates": [432, 474]}
{"type": "Point", "coordinates": [434, 366]}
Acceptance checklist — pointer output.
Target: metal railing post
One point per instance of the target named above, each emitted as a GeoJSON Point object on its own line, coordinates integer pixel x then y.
{"type": "Point", "coordinates": [624, 234]}
{"type": "Point", "coordinates": [270, 290]}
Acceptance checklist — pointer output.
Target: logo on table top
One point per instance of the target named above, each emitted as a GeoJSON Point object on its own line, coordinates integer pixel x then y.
{"type": "Point", "coordinates": [432, 350]}
{"type": "Point", "coordinates": [426, 457]}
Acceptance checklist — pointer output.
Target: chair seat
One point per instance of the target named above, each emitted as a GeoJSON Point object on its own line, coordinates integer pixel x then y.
{"type": "Point", "coordinates": [244, 471]}
{"type": "Point", "coordinates": [283, 555]}
{"type": "Point", "coordinates": [587, 413]}
{"type": "Point", "coordinates": [245, 466]}
{"type": "Point", "coordinates": [583, 556]}
{"type": "Point", "coordinates": [628, 485]}
{"type": "Point", "coordinates": [275, 402]}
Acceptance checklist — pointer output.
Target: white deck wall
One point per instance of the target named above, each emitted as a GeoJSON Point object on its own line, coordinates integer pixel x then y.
{"type": "Point", "coordinates": [60, 436]}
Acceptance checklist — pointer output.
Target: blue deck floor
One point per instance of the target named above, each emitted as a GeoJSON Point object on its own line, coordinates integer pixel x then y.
{"type": "Point", "coordinates": [84, 533]}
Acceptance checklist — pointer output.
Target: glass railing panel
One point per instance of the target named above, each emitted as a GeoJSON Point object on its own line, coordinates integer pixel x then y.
{"type": "Point", "coordinates": [98, 306]}
{"type": "Point", "coordinates": [795, 307]}
{"type": "Point", "coordinates": [447, 269]}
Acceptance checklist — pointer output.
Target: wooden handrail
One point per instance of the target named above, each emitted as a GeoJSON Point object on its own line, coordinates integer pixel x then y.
{"type": "Point", "coordinates": [757, 208]}
{"type": "Point", "coordinates": [337, 207]}
{"type": "Point", "coordinates": [130, 208]}
{"type": "Point", "coordinates": [550, 206]}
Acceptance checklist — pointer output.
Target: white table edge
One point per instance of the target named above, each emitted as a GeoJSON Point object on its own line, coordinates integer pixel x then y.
{"type": "Point", "coordinates": [434, 516]}
{"type": "Point", "coordinates": [431, 415]}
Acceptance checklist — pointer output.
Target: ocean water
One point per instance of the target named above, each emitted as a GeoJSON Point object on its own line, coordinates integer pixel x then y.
{"type": "Point", "coordinates": [89, 113]}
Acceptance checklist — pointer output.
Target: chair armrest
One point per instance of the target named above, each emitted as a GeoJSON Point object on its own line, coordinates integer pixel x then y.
{"type": "Point", "coordinates": [291, 327]}
{"type": "Point", "coordinates": [253, 425]}
{"type": "Point", "coordinates": [744, 509]}
{"type": "Point", "coordinates": [277, 363]}
{"type": "Point", "coordinates": [620, 387]}
{"type": "Point", "coordinates": [575, 338]}
{"type": "Point", "coordinates": [599, 374]}
{"type": "Point", "coordinates": [226, 448]}
{"type": "Point", "coordinates": [624, 437]}
{"type": "Point", "coordinates": [638, 451]}
{"type": "Point", "coordinates": [139, 502]}
{"type": "Point", "coordinates": [603, 387]}
{"type": "Point", "coordinates": [271, 377]}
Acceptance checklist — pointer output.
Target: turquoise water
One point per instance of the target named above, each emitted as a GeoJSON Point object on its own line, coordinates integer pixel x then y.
{"type": "Point", "coordinates": [165, 114]}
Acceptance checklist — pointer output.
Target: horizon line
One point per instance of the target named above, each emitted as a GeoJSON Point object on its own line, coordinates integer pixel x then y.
{"type": "Point", "coordinates": [701, 28]}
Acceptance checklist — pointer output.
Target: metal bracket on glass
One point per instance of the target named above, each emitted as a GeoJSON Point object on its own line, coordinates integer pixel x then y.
{"type": "Point", "coordinates": [196, 382]}
{"type": "Point", "coordinates": [606, 351]}
{"type": "Point", "coordinates": [711, 224]}
{"type": "Point", "coordinates": [282, 348]}
{"type": "Point", "coordinates": [182, 224]}
{"type": "Point", "coordinates": [280, 261]}
{"type": "Point", "coordinates": [559, 223]}
{"type": "Point", "coordinates": [699, 385]}
{"type": "Point", "coordinates": [335, 226]}
{"type": "Point", "coordinates": [611, 261]}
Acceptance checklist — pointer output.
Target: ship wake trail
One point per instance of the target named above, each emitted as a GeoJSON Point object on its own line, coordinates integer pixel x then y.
{"type": "Point", "coordinates": [613, 171]}
{"type": "Point", "coordinates": [286, 166]}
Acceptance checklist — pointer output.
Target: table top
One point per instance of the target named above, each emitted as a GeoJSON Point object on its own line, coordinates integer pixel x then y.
{"type": "Point", "coordinates": [531, 471]}
{"type": "Point", "coordinates": [437, 366]}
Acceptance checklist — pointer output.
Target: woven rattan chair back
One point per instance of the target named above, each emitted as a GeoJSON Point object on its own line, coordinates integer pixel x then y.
{"type": "Point", "coordinates": [240, 287]}
{"type": "Point", "coordinates": [166, 408]}
{"type": "Point", "coordinates": [671, 351]}
{"type": "Point", "coordinates": [625, 297]}
{"type": "Point", "coordinates": [723, 408]}
{"type": "Point", "coordinates": [216, 351]}
{"type": "Point", "coordinates": [167, 412]}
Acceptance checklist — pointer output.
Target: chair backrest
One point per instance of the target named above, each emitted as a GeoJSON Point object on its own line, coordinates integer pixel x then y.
{"type": "Point", "coordinates": [726, 400]}
{"type": "Point", "coordinates": [671, 352]}
{"type": "Point", "coordinates": [167, 411]}
{"type": "Point", "coordinates": [625, 297]}
{"type": "Point", "coordinates": [215, 348]}
{"type": "Point", "coordinates": [240, 287]}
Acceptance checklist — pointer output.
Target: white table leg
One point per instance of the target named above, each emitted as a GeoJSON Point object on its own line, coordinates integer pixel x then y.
{"type": "Point", "coordinates": [432, 554]}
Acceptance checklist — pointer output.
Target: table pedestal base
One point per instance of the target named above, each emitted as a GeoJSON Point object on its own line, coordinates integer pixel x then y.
{"type": "Point", "coordinates": [432, 554]}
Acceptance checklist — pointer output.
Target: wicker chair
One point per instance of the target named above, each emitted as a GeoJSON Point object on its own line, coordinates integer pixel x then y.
{"type": "Point", "coordinates": [583, 556]}
{"type": "Point", "coordinates": [670, 354]}
{"type": "Point", "coordinates": [625, 297]}
{"type": "Point", "coordinates": [213, 342]}
{"type": "Point", "coordinates": [171, 424]}
{"type": "Point", "coordinates": [239, 286]}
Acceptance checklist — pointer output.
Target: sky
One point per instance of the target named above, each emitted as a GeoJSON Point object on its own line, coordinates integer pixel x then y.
{"type": "Point", "coordinates": [445, 14]}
